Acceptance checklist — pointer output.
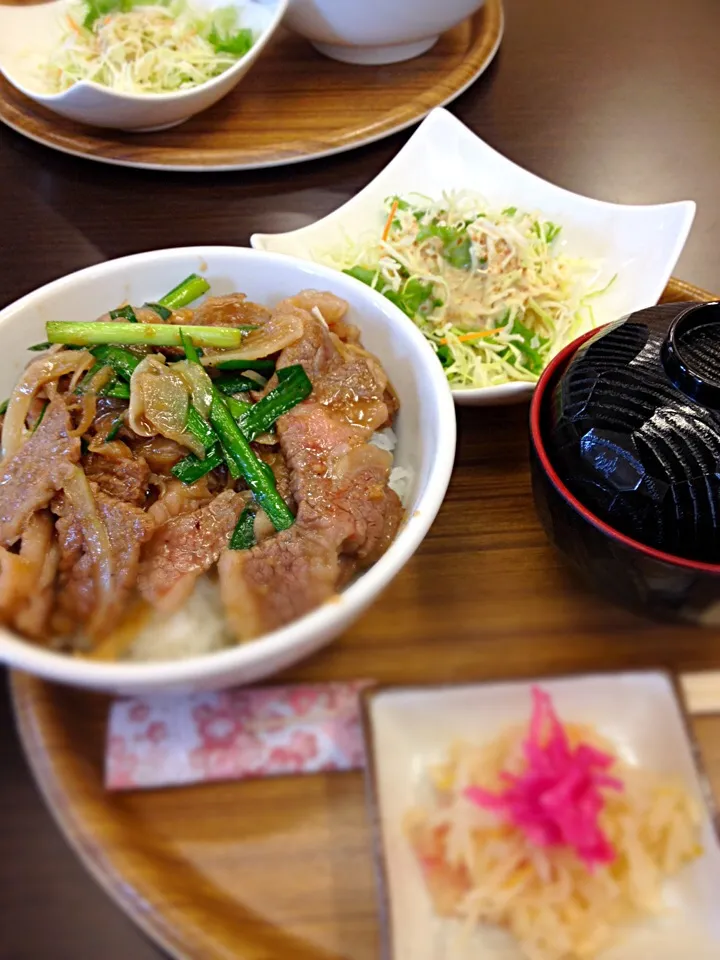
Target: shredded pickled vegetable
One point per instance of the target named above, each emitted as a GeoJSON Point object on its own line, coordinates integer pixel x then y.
{"type": "Point", "coordinates": [548, 833]}
{"type": "Point", "coordinates": [491, 290]}
{"type": "Point", "coordinates": [145, 48]}
{"type": "Point", "coordinates": [557, 799]}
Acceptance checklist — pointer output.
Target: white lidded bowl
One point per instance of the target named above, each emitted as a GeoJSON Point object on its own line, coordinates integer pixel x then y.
{"type": "Point", "coordinates": [425, 431]}
{"type": "Point", "coordinates": [29, 33]}
{"type": "Point", "coordinates": [639, 245]}
{"type": "Point", "coordinates": [376, 31]}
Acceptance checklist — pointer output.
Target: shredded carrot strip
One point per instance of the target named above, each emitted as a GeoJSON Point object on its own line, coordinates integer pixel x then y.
{"type": "Point", "coordinates": [388, 222]}
{"type": "Point", "coordinates": [478, 335]}
{"type": "Point", "coordinates": [73, 26]}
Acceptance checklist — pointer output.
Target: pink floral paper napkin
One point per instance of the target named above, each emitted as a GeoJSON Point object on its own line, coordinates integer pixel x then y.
{"type": "Point", "coordinates": [233, 735]}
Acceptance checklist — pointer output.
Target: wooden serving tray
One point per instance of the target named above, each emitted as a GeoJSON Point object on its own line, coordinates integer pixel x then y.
{"type": "Point", "coordinates": [281, 869]}
{"type": "Point", "coordinates": [295, 104]}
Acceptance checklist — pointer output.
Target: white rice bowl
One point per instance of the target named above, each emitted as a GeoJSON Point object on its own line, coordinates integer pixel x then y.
{"type": "Point", "coordinates": [424, 452]}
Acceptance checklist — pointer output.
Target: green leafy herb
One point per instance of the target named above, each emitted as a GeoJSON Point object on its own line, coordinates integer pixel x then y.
{"type": "Point", "coordinates": [244, 533]}
{"type": "Point", "coordinates": [191, 468]}
{"type": "Point", "coordinates": [509, 211]}
{"type": "Point", "coordinates": [160, 310]}
{"type": "Point", "coordinates": [142, 334]}
{"type": "Point", "coordinates": [456, 243]}
{"type": "Point", "coordinates": [40, 346]}
{"type": "Point", "coordinates": [546, 231]}
{"type": "Point", "coordinates": [189, 347]}
{"type": "Point", "coordinates": [445, 356]}
{"type": "Point", "coordinates": [122, 361]}
{"type": "Point", "coordinates": [120, 391]}
{"type": "Point", "coordinates": [4, 406]}
{"type": "Point", "coordinates": [238, 449]}
{"type": "Point", "coordinates": [200, 429]}
{"type": "Point", "coordinates": [370, 278]}
{"type": "Point", "coordinates": [414, 297]}
{"type": "Point", "coordinates": [224, 34]}
{"type": "Point", "coordinates": [237, 408]}
{"type": "Point", "coordinates": [97, 9]}
{"type": "Point", "coordinates": [184, 293]}
{"type": "Point", "coordinates": [88, 378]}
{"type": "Point", "coordinates": [235, 384]}
{"type": "Point", "coordinates": [124, 313]}
{"type": "Point", "coordinates": [551, 231]}
{"type": "Point", "coordinates": [530, 346]}
{"type": "Point", "coordinates": [458, 253]}
{"type": "Point", "coordinates": [40, 418]}
{"type": "Point", "coordinates": [115, 429]}
{"type": "Point", "coordinates": [293, 387]}
{"type": "Point", "coordinates": [265, 367]}
{"type": "Point", "coordinates": [236, 44]}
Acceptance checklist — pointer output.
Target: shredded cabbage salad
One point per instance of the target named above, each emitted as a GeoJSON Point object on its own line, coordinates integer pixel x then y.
{"type": "Point", "coordinates": [136, 47]}
{"type": "Point", "coordinates": [492, 291]}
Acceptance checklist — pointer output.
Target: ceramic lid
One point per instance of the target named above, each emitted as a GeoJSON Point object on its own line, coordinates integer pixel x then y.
{"type": "Point", "coordinates": [633, 427]}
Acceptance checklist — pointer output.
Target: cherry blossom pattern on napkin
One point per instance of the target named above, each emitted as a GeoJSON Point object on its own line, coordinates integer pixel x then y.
{"type": "Point", "coordinates": [233, 735]}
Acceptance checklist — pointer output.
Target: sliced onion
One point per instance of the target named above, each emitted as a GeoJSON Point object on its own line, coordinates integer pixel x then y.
{"type": "Point", "coordinates": [113, 450]}
{"type": "Point", "coordinates": [80, 371]}
{"type": "Point", "coordinates": [266, 439]}
{"type": "Point", "coordinates": [95, 535]}
{"type": "Point", "coordinates": [41, 371]}
{"type": "Point", "coordinates": [259, 379]}
{"type": "Point", "coordinates": [89, 409]}
{"type": "Point", "coordinates": [331, 308]}
{"type": "Point", "coordinates": [198, 383]}
{"type": "Point", "coordinates": [279, 332]}
{"type": "Point", "coordinates": [159, 402]}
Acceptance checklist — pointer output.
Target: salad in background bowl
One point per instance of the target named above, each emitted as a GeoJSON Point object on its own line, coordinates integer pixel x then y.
{"type": "Point", "coordinates": [133, 65]}
{"type": "Point", "coordinates": [499, 268]}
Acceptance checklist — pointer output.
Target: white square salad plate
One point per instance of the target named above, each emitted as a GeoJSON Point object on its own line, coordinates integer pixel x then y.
{"type": "Point", "coordinates": [639, 245]}
{"type": "Point", "coordinates": [408, 729]}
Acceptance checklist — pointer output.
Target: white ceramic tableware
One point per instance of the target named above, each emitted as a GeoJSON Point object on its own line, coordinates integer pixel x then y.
{"type": "Point", "coordinates": [639, 244]}
{"type": "Point", "coordinates": [376, 31]}
{"type": "Point", "coordinates": [409, 729]}
{"type": "Point", "coordinates": [29, 33]}
{"type": "Point", "coordinates": [425, 431]}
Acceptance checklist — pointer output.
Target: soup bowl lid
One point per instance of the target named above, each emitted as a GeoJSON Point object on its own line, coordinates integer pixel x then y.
{"type": "Point", "coordinates": [632, 428]}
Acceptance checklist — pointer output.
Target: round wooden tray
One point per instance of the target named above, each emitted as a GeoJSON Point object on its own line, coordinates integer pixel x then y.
{"type": "Point", "coordinates": [294, 105]}
{"type": "Point", "coordinates": [270, 869]}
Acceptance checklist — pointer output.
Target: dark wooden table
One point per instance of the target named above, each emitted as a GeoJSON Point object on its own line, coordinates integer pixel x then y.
{"type": "Point", "coordinates": [613, 99]}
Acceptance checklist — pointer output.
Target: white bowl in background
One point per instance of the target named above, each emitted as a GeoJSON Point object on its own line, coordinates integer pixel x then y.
{"type": "Point", "coordinates": [376, 31]}
{"type": "Point", "coordinates": [425, 430]}
{"type": "Point", "coordinates": [641, 244]}
{"type": "Point", "coordinates": [28, 33]}
{"type": "Point", "coordinates": [409, 729]}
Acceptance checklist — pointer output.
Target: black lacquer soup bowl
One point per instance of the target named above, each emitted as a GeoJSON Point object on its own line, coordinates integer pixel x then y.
{"type": "Point", "coordinates": [625, 456]}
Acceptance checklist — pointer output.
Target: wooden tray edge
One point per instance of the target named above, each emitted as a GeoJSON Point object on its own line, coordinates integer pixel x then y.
{"type": "Point", "coordinates": [678, 291]}
{"type": "Point", "coordinates": [701, 691]}
{"type": "Point", "coordinates": [493, 10]}
{"type": "Point", "coordinates": [102, 870]}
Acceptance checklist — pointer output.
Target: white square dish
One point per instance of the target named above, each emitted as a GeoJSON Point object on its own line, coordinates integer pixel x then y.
{"type": "Point", "coordinates": [409, 729]}
{"type": "Point", "coordinates": [639, 244]}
